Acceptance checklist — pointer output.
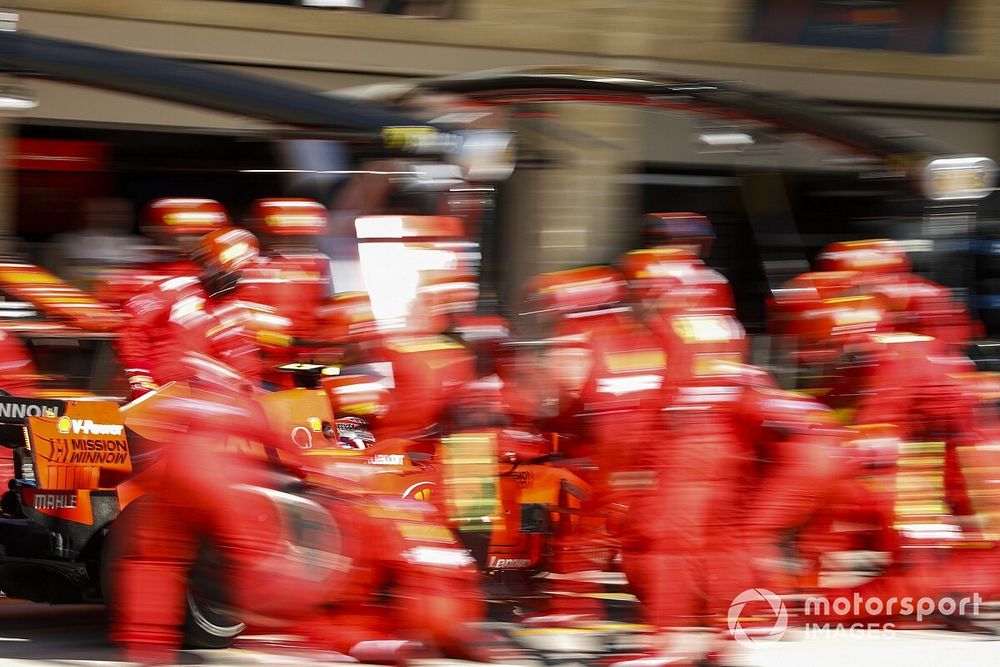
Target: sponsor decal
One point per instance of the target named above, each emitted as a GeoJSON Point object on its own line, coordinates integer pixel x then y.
{"type": "Point", "coordinates": [55, 501]}
{"type": "Point", "coordinates": [89, 435]}
{"type": "Point", "coordinates": [411, 137]}
{"type": "Point", "coordinates": [301, 437]}
{"type": "Point", "coordinates": [419, 491]}
{"type": "Point", "coordinates": [363, 409]}
{"type": "Point", "coordinates": [509, 563]}
{"type": "Point", "coordinates": [97, 451]}
{"type": "Point", "coordinates": [27, 470]}
{"type": "Point", "coordinates": [694, 329]}
{"type": "Point", "coordinates": [418, 344]}
{"type": "Point", "coordinates": [20, 410]}
{"type": "Point", "coordinates": [387, 459]}
{"type": "Point", "coordinates": [87, 427]}
{"type": "Point", "coordinates": [525, 478]}
{"type": "Point", "coordinates": [195, 218]}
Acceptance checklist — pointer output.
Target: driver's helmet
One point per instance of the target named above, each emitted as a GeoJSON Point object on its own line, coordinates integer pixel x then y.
{"type": "Point", "coordinates": [692, 231]}
{"type": "Point", "coordinates": [287, 220]}
{"type": "Point", "coordinates": [354, 433]}
{"type": "Point", "coordinates": [881, 257]}
{"type": "Point", "coordinates": [179, 221]}
{"type": "Point", "coordinates": [223, 254]}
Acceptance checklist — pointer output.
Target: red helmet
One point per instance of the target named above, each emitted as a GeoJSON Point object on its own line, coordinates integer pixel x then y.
{"type": "Point", "coordinates": [441, 297]}
{"type": "Point", "coordinates": [287, 217]}
{"type": "Point", "coordinates": [823, 332]}
{"type": "Point", "coordinates": [347, 317]}
{"type": "Point", "coordinates": [576, 290]}
{"type": "Point", "coordinates": [688, 230]}
{"type": "Point", "coordinates": [871, 256]}
{"type": "Point", "coordinates": [652, 269]}
{"type": "Point", "coordinates": [675, 280]}
{"type": "Point", "coordinates": [223, 254]}
{"type": "Point", "coordinates": [358, 396]}
{"type": "Point", "coordinates": [176, 216]}
{"type": "Point", "coordinates": [806, 292]}
{"type": "Point", "coordinates": [227, 249]}
{"type": "Point", "coordinates": [818, 285]}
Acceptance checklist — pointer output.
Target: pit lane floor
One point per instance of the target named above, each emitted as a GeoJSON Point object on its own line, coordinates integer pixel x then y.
{"type": "Point", "coordinates": [44, 636]}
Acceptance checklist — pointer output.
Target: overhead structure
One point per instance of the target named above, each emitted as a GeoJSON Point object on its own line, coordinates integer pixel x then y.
{"type": "Point", "coordinates": [933, 169]}
{"type": "Point", "coordinates": [172, 80]}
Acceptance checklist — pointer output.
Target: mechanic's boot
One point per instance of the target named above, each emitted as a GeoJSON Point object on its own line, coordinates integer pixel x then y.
{"type": "Point", "coordinates": [727, 652]}
{"type": "Point", "coordinates": [300, 647]}
{"type": "Point", "coordinates": [491, 647]}
{"type": "Point", "coordinates": [399, 653]}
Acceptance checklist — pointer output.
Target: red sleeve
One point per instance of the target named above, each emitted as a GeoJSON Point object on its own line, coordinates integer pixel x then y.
{"type": "Point", "coordinates": [792, 430]}
{"type": "Point", "coordinates": [234, 344]}
{"type": "Point", "coordinates": [889, 398]}
{"type": "Point", "coordinates": [147, 313]}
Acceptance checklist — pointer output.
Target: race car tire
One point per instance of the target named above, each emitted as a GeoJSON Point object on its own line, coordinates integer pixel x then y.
{"type": "Point", "coordinates": [205, 626]}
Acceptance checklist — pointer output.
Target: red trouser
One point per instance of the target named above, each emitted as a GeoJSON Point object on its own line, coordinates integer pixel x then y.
{"type": "Point", "coordinates": [790, 492]}
{"type": "Point", "coordinates": [431, 605]}
{"type": "Point", "coordinates": [856, 515]}
{"type": "Point", "coordinates": [591, 543]}
{"type": "Point", "coordinates": [200, 494]}
{"type": "Point", "coordinates": [195, 500]}
{"type": "Point", "coordinates": [683, 549]}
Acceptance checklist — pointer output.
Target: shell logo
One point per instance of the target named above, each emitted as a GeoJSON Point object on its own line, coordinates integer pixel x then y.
{"type": "Point", "coordinates": [63, 425]}
{"type": "Point", "coordinates": [419, 491]}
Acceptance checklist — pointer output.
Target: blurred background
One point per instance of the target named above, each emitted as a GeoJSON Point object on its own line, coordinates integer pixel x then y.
{"type": "Point", "coordinates": [84, 161]}
{"type": "Point", "coordinates": [719, 126]}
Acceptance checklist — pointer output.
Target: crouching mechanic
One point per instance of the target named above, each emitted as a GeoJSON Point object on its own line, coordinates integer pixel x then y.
{"type": "Point", "coordinates": [347, 569]}
{"type": "Point", "coordinates": [194, 315]}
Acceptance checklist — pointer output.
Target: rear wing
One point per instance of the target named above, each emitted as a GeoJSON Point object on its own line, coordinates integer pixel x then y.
{"type": "Point", "coordinates": [66, 444]}
{"type": "Point", "coordinates": [13, 414]}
